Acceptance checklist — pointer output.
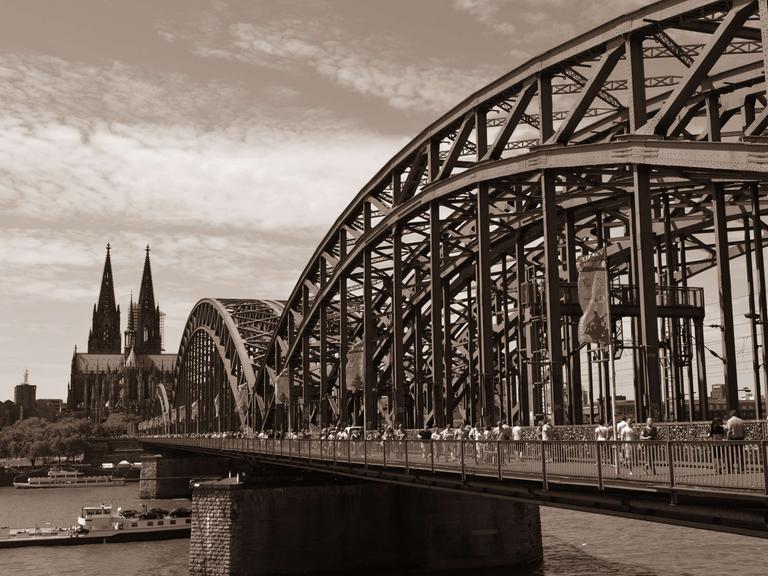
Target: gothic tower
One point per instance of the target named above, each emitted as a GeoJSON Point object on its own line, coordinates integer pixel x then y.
{"type": "Point", "coordinates": [130, 331]}
{"type": "Point", "coordinates": [104, 337]}
{"type": "Point", "coordinates": [148, 338]}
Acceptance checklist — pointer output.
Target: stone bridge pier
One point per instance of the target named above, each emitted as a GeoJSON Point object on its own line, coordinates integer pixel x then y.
{"type": "Point", "coordinates": [168, 474]}
{"type": "Point", "coordinates": [306, 524]}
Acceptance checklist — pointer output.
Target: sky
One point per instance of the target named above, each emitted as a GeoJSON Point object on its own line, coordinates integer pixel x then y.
{"type": "Point", "coordinates": [226, 135]}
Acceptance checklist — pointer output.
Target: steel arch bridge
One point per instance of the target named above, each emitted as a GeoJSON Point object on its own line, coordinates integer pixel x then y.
{"type": "Point", "coordinates": [222, 349]}
{"type": "Point", "coordinates": [445, 290]}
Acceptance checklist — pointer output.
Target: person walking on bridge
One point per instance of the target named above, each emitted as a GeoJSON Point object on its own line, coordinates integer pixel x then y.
{"type": "Point", "coordinates": [735, 429]}
{"type": "Point", "coordinates": [628, 435]}
{"type": "Point", "coordinates": [717, 434]}
{"type": "Point", "coordinates": [649, 434]}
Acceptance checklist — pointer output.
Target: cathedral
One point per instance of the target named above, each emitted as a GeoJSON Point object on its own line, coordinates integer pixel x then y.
{"type": "Point", "coordinates": [134, 378]}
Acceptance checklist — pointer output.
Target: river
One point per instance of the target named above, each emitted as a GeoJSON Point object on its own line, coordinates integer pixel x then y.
{"type": "Point", "coordinates": [575, 544]}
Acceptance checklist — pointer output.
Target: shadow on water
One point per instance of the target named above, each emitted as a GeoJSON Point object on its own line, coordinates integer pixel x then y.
{"type": "Point", "coordinates": [560, 559]}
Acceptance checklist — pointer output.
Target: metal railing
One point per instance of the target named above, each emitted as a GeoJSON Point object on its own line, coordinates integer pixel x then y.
{"type": "Point", "coordinates": [738, 466]}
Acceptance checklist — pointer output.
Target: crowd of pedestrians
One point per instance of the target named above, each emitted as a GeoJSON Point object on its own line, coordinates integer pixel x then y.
{"type": "Point", "coordinates": [627, 446]}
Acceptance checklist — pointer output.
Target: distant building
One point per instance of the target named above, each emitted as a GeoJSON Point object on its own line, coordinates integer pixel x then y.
{"type": "Point", "coordinates": [24, 398]}
{"type": "Point", "coordinates": [8, 413]}
{"type": "Point", "coordinates": [718, 393]}
{"type": "Point", "coordinates": [50, 408]}
{"type": "Point", "coordinates": [109, 379]}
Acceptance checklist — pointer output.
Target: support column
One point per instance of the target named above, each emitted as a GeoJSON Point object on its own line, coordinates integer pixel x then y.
{"type": "Point", "coordinates": [255, 530]}
{"type": "Point", "coordinates": [634, 56]}
{"type": "Point", "coordinates": [726, 296]}
{"type": "Point", "coordinates": [604, 364]}
{"type": "Point", "coordinates": [509, 378]}
{"type": "Point", "coordinates": [473, 414]}
{"type": "Point", "coordinates": [397, 333]}
{"type": "Point", "coordinates": [552, 281]}
{"type": "Point", "coordinates": [449, 398]}
{"type": "Point", "coordinates": [436, 319]}
{"type": "Point", "coordinates": [307, 391]}
{"type": "Point", "coordinates": [646, 280]}
{"type": "Point", "coordinates": [574, 354]}
{"type": "Point", "coordinates": [701, 369]}
{"type": "Point", "coordinates": [323, 399]}
{"type": "Point", "coordinates": [370, 383]}
{"type": "Point", "coordinates": [523, 365]}
{"type": "Point", "coordinates": [486, 372]}
{"type": "Point", "coordinates": [752, 317]}
{"type": "Point", "coordinates": [343, 338]}
{"type": "Point", "coordinates": [689, 334]}
{"type": "Point", "coordinates": [673, 334]}
{"type": "Point", "coordinates": [418, 367]}
{"type": "Point", "coordinates": [760, 280]}
{"type": "Point", "coordinates": [290, 406]}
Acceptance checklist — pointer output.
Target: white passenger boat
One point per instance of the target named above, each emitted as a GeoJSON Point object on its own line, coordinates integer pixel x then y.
{"type": "Point", "coordinates": [99, 524]}
{"type": "Point", "coordinates": [65, 478]}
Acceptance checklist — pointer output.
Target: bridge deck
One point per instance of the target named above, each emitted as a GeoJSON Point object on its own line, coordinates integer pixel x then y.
{"type": "Point", "coordinates": [715, 467]}
{"type": "Point", "coordinates": [712, 485]}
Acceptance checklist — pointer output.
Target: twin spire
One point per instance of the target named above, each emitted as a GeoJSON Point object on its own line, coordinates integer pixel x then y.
{"type": "Point", "coordinates": [143, 331]}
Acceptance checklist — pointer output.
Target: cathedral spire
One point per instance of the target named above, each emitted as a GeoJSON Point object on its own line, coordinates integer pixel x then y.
{"type": "Point", "coordinates": [104, 337]}
{"type": "Point", "coordinates": [130, 331]}
{"type": "Point", "coordinates": [107, 292]}
{"type": "Point", "coordinates": [148, 338]}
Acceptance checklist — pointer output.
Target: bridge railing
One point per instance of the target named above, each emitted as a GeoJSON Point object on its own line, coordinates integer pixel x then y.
{"type": "Point", "coordinates": [704, 465]}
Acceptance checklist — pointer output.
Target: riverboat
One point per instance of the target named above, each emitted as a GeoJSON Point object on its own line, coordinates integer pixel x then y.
{"type": "Point", "coordinates": [65, 478]}
{"type": "Point", "coordinates": [99, 524]}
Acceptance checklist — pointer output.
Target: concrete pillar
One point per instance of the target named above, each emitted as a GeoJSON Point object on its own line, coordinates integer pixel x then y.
{"type": "Point", "coordinates": [345, 527]}
{"type": "Point", "coordinates": [168, 477]}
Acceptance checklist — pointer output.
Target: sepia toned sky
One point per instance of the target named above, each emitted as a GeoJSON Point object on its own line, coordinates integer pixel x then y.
{"type": "Point", "coordinates": [227, 135]}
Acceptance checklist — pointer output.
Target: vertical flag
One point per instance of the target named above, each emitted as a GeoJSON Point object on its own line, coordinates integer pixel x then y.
{"type": "Point", "coordinates": [594, 326]}
{"type": "Point", "coordinates": [355, 368]}
{"type": "Point", "coordinates": [243, 398]}
{"type": "Point", "coordinates": [282, 387]}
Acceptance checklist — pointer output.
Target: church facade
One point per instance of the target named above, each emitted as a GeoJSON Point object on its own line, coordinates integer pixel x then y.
{"type": "Point", "coordinates": [133, 377]}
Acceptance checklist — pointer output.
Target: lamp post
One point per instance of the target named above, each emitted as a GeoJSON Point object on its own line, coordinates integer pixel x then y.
{"type": "Point", "coordinates": [754, 320]}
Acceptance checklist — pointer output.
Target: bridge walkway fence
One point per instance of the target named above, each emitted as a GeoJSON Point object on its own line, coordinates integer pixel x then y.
{"type": "Point", "coordinates": [727, 466]}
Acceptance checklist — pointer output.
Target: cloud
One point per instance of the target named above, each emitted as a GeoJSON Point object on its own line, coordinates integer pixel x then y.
{"type": "Point", "coordinates": [264, 178]}
{"type": "Point", "coordinates": [95, 147]}
{"type": "Point", "coordinates": [375, 67]}
{"type": "Point", "coordinates": [532, 26]}
{"type": "Point", "coordinates": [487, 13]}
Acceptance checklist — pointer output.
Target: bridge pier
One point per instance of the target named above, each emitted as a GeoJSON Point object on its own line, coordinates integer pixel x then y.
{"type": "Point", "coordinates": [168, 476]}
{"type": "Point", "coordinates": [344, 527]}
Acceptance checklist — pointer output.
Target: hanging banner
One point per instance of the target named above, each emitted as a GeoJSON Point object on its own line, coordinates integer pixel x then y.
{"type": "Point", "coordinates": [282, 388]}
{"type": "Point", "coordinates": [243, 398]}
{"type": "Point", "coordinates": [594, 325]}
{"type": "Point", "coordinates": [193, 414]}
{"type": "Point", "coordinates": [216, 405]}
{"type": "Point", "coordinates": [355, 369]}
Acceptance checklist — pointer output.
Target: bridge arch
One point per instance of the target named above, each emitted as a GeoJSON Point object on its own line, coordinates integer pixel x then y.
{"type": "Point", "coordinates": [453, 266]}
{"type": "Point", "coordinates": [221, 348]}
{"type": "Point", "coordinates": [446, 289]}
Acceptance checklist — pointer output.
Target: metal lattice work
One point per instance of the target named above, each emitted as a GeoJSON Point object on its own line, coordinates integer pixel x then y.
{"type": "Point", "coordinates": [444, 291]}
{"type": "Point", "coordinates": [221, 349]}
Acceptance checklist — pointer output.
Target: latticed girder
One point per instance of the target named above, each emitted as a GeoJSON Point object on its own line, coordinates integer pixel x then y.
{"type": "Point", "coordinates": [444, 291]}
{"type": "Point", "coordinates": [221, 350]}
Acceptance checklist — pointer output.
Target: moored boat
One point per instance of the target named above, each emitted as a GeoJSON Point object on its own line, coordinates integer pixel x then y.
{"type": "Point", "coordinates": [65, 478]}
{"type": "Point", "coordinates": [99, 524]}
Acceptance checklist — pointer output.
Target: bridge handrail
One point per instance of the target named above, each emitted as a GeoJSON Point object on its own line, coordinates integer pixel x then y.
{"type": "Point", "coordinates": [674, 465]}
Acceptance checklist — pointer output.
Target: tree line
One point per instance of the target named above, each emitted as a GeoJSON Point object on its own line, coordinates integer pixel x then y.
{"type": "Point", "coordinates": [37, 438]}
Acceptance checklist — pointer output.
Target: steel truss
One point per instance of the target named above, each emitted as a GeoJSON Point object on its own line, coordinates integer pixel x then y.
{"type": "Point", "coordinates": [452, 270]}
{"type": "Point", "coordinates": [222, 348]}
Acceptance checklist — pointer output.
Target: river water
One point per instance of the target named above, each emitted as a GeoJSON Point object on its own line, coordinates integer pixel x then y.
{"type": "Point", "coordinates": [575, 544]}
